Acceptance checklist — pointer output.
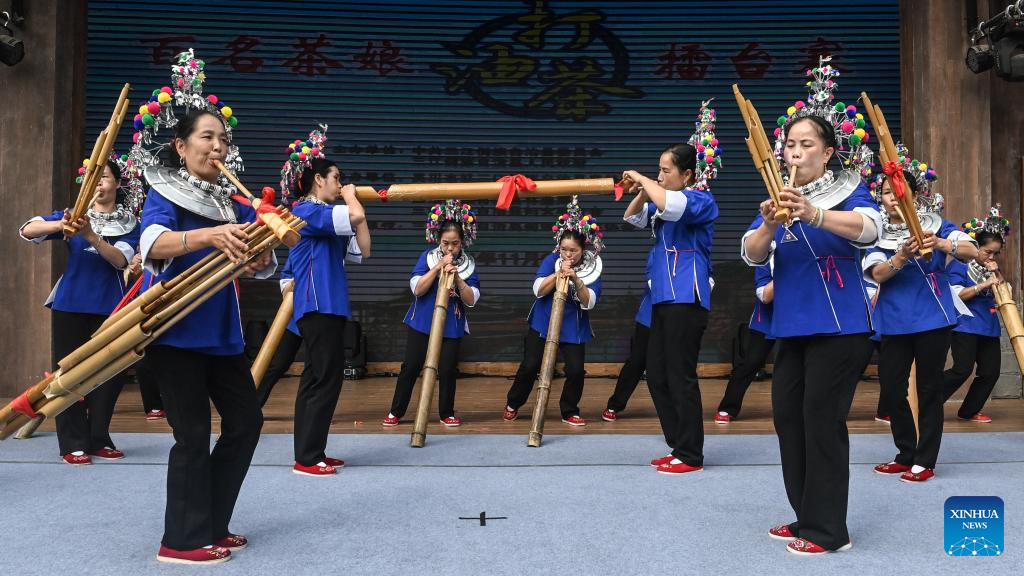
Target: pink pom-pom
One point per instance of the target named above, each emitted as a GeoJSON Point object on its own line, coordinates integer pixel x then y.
{"type": "Point", "coordinates": [778, 132]}
{"type": "Point", "coordinates": [554, 228]}
{"type": "Point", "coordinates": [81, 169]}
{"type": "Point", "coordinates": [153, 107]}
{"type": "Point", "coordinates": [136, 136]}
{"type": "Point", "coordinates": [212, 99]}
{"type": "Point", "coordinates": [851, 107]}
{"type": "Point", "coordinates": [798, 104]}
{"type": "Point", "coordinates": [847, 127]}
{"type": "Point", "coordinates": [865, 138]}
{"type": "Point", "coordinates": [315, 151]}
{"type": "Point", "coordinates": [700, 148]}
{"type": "Point", "coordinates": [138, 117]}
{"type": "Point", "coordinates": [167, 89]}
{"type": "Point", "coordinates": [714, 142]}
{"type": "Point", "coordinates": [465, 216]}
{"type": "Point", "coordinates": [302, 155]}
{"type": "Point", "coordinates": [181, 82]}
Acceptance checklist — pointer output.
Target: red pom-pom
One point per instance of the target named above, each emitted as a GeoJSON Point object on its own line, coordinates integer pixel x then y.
{"type": "Point", "coordinates": [153, 107]}
{"type": "Point", "coordinates": [212, 99]}
{"type": "Point", "coordinates": [167, 89]}
{"type": "Point", "coordinates": [268, 195]}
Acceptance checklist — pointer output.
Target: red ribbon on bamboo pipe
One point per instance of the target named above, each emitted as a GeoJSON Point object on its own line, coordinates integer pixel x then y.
{"type": "Point", "coordinates": [512, 185]}
{"type": "Point", "coordinates": [894, 172]}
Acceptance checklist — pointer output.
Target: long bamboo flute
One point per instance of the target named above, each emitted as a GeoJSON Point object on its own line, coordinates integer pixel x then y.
{"type": "Point", "coordinates": [547, 364]}
{"type": "Point", "coordinates": [1010, 315]}
{"type": "Point", "coordinates": [273, 221]}
{"type": "Point", "coordinates": [484, 190]}
{"type": "Point", "coordinates": [436, 338]}
{"type": "Point", "coordinates": [274, 335]}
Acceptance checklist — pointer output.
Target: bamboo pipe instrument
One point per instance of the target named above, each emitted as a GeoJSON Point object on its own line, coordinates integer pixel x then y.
{"type": "Point", "coordinates": [274, 335]}
{"type": "Point", "coordinates": [273, 221]}
{"type": "Point", "coordinates": [419, 428]}
{"type": "Point", "coordinates": [887, 152]}
{"type": "Point", "coordinates": [761, 153]}
{"type": "Point", "coordinates": [547, 364]}
{"type": "Point", "coordinates": [1010, 315]}
{"type": "Point", "coordinates": [98, 159]}
{"type": "Point", "coordinates": [483, 190]}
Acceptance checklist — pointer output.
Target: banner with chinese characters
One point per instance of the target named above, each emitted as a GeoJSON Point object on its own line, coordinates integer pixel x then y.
{"type": "Point", "coordinates": [448, 90]}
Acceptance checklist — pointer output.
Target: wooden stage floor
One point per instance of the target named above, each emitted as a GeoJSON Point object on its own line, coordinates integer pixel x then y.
{"type": "Point", "coordinates": [479, 402]}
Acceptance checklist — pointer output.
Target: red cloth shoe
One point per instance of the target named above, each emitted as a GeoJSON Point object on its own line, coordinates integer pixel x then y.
{"type": "Point", "coordinates": [803, 547]}
{"type": "Point", "coordinates": [107, 453]}
{"type": "Point", "coordinates": [204, 555]}
{"type": "Point", "coordinates": [233, 542]}
{"type": "Point", "coordinates": [318, 469]}
{"type": "Point", "coordinates": [781, 532]}
{"type": "Point", "coordinates": [891, 468]}
{"type": "Point", "coordinates": [922, 476]}
{"type": "Point", "coordinates": [681, 468]}
{"type": "Point", "coordinates": [663, 460]}
{"type": "Point", "coordinates": [156, 415]}
{"type": "Point", "coordinates": [452, 421]}
{"type": "Point", "coordinates": [883, 419]}
{"type": "Point", "coordinates": [77, 458]}
{"type": "Point", "coordinates": [979, 417]}
{"type": "Point", "coordinates": [390, 421]}
{"type": "Point", "coordinates": [508, 415]}
{"type": "Point", "coordinates": [722, 418]}
{"type": "Point", "coordinates": [575, 421]}
{"type": "Point", "coordinates": [334, 462]}
{"type": "Point", "coordinates": [609, 416]}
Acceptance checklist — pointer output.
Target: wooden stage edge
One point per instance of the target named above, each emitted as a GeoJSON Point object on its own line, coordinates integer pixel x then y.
{"type": "Point", "coordinates": [480, 400]}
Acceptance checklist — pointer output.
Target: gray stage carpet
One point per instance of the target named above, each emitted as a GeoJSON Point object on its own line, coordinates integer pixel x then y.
{"type": "Point", "coordinates": [579, 505]}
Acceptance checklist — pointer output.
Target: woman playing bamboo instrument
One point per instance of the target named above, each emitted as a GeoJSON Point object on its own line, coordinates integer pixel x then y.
{"type": "Point", "coordinates": [914, 313]}
{"type": "Point", "coordinates": [333, 233]}
{"type": "Point", "coordinates": [92, 285]}
{"type": "Point", "coordinates": [820, 317]}
{"type": "Point", "coordinates": [679, 274]}
{"type": "Point", "coordinates": [975, 339]}
{"type": "Point", "coordinates": [576, 258]}
{"type": "Point", "coordinates": [190, 211]}
{"type": "Point", "coordinates": [452, 226]}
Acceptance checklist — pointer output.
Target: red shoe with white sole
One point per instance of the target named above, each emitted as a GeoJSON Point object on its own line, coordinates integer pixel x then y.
{"type": "Point", "coordinates": [681, 468]}
{"type": "Point", "coordinates": [233, 542]}
{"type": "Point", "coordinates": [107, 454]}
{"type": "Point", "coordinates": [77, 458]}
{"type": "Point", "coordinates": [663, 460]}
{"type": "Point", "coordinates": [722, 418]}
{"type": "Point", "coordinates": [575, 420]}
{"type": "Point", "coordinates": [318, 469]}
{"type": "Point", "coordinates": [609, 416]}
{"type": "Point", "coordinates": [156, 415]}
{"type": "Point", "coordinates": [204, 555]}
{"type": "Point", "coordinates": [803, 547]}
{"type": "Point", "coordinates": [452, 421]}
{"type": "Point", "coordinates": [509, 414]}
{"type": "Point", "coordinates": [781, 532]}
{"type": "Point", "coordinates": [891, 468]}
{"type": "Point", "coordinates": [979, 417]}
{"type": "Point", "coordinates": [918, 477]}
{"type": "Point", "coordinates": [883, 419]}
{"type": "Point", "coordinates": [334, 462]}
{"type": "Point", "coordinates": [390, 421]}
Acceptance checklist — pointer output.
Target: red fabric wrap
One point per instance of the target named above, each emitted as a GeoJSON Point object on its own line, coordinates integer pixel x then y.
{"type": "Point", "coordinates": [267, 204]}
{"type": "Point", "coordinates": [383, 193]}
{"type": "Point", "coordinates": [23, 406]}
{"type": "Point", "coordinates": [510, 186]}
{"type": "Point", "coordinates": [620, 187]}
{"type": "Point", "coordinates": [894, 172]}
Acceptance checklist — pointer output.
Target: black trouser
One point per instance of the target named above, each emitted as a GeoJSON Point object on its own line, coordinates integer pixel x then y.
{"type": "Point", "coordinates": [632, 370]}
{"type": "Point", "coordinates": [320, 384]}
{"type": "Point", "coordinates": [812, 390]}
{"type": "Point", "coordinates": [676, 331]}
{"type": "Point", "coordinates": [573, 355]}
{"type": "Point", "coordinates": [202, 487]}
{"type": "Point", "coordinates": [148, 386]}
{"type": "Point", "coordinates": [83, 426]}
{"type": "Point", "coordinates": [279, 364]}
{"type": "Point", "coordinates": [928, 350]}
{"type": "Point", "coordinates": [969, 349]}
{"type": "Point", "coordinates": [758, 348]}
{"type": "Point", "coordinates": [447, 373]}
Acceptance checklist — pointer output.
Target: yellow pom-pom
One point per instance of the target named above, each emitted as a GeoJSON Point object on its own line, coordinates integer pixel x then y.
{"type": "Point", "coordinates": [305, 149]}
{"type": "Point", "coordinates": [201, 76]}
{"type": "Point", "coordinates": [860, 133]}
{"type": "Point", "coordinates": [292, 146]}
{"type": "Point", "coordinates": [593, 226]}
{"type": "Point", "coordinates": [85, 162]}
{"type": "Point", "coordinates": [433, 216]}
{"type": "Point", "coordinates": [709, 152]}
{"type": "Point", "coordinates": [923, 166]}
{"type": "Point", "coordinates": [143, 109]}
{"type": "Point", "coordinates": [471, 219]}
{"type": "Point", "coordinates": [791, 110]}
{"type": "Point", "coordinates": [226, 111]}
{"type": "Point", "coordinates": [860, 116]}
{"type": "Point", "coordinates": [163, 98]}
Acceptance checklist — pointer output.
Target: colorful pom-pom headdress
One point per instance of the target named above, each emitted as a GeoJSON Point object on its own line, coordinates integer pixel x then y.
{"type": "Point", "coordinates": [848, 124]}
{"type": "Point", "coordinates": [575, 220]}
{"type": "Point", "coordinates": [924, 175]}
{"type": "Point", "coordinates": [451, 211]}
{"type": "Point", "coordinates": [184, 95]}
{"type": "Point", "coordinates": [300, 156]}
{"type": "Point", "coordinates": [709, 155]}
{"type": "Point", "coordinates": [130, 186]}
{"type": "Point", "coordinates": [995, 223]}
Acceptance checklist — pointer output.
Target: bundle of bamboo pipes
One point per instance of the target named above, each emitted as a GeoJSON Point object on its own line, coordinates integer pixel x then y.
{"type": "Point", "coordinates": [434, 341]}
{"type": "Point", "coordinates": [1010, 314]}
{"type": "Point", "coordinates": [98, 160]}
{"type": "Point", "coordinates": [123, 337]}
{"type": "Point", "coordinates": [887, 152]}
{"type": "Point", "coordinates": [547, 363]}
{"type": "Point", "coordinates": [762, 154]}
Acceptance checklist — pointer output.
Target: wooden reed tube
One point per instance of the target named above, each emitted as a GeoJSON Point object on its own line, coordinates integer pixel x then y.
{"type": "Point", "coordinates": [274, 335]}
{"type": "Point", "coordinates": [273, 221]}
{"type": "Point", "coordinates": [35, 394]}
{"type": "Point", "coordinates": [484, 190]}
{"type": "Point", "coordinates": [419, 428]}
{"type": "Point", "coordinates": [1010, 315]}
{"type": "Point", "coordinates": [106, 372]}
{"type": "Point", "coordinates": [547, 364]}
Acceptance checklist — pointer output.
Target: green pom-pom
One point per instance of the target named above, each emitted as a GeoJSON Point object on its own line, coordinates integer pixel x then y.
{"type": "Point", "coordinates": [148, 119]}
{"type": "Point", "coordinates": [840, 107]}
{"type": "Point", "coordinates": [705, 141]}
{"type": "Point", "coordinates": [861, 123]}
{"type": "Point", "coordinates": [155, 92]}
{"type": "Point", "coordinates": [233, 121]}
{"type": "Point", "coordinates": [781, 121]}
{"type": "Point", "coordinates": [854, 140]}
{"type": "Point", "coordinates": [294, 156]}
{"type": "Point", "coordinates": [701, 164]}
{"type": "Point", "coordinates": [78, 180]}
{"type": "Point", "coordinates": [201, 64]}
{"type": "Point", "coordinates": [718, 162]}
{"type": "Point", "coordinates": [196, 82]}
{"type": "Point", "coordinates": [915, 162]}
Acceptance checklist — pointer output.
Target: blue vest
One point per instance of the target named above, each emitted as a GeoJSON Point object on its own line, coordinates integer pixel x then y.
{"type": "Point", "coordinates": [679, 265]}
{"type": "Point", "coordinates": [643, 314]}
{"type": "Point", "coordinates": [918, 298]}
{"type": "Point", "coordinates": [761, 318]}
{"type": "Point", "coordinates": [421, 311]}
{"type": "Point", "coordinates": [317, 262]}
{"type": "Point", "coordinates": [214, 327]}
{"type": "Point", "coordinates": [90, 284]}
{"type": "Point", "coordinates": [818, 287]}
{"type": "Point", "coordinates": [985, 321]}
{"type": "Point", "coordinates": [575, 321]}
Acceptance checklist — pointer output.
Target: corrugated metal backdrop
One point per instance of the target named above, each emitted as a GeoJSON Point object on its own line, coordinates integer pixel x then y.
{"type": "Point", "coordinates": [452, 90]}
